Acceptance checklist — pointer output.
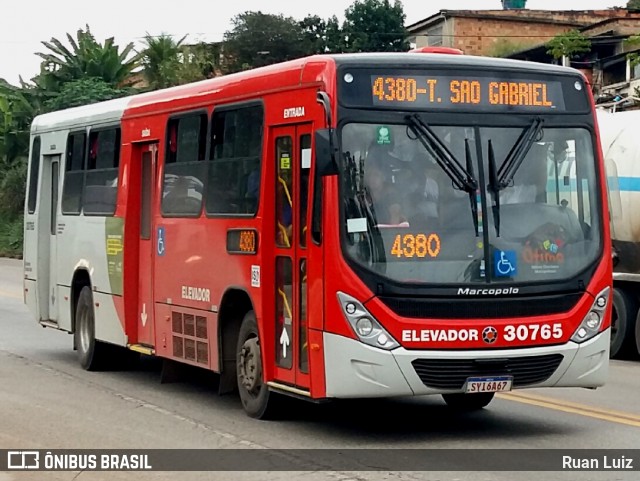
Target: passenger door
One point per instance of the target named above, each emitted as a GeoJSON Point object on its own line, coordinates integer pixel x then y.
{"type": "Point", "coordinates": [148, 244]}
{"type": "Point", "coordinates": [54, 161]}
{"type": "Point", "coordinates": [292, 148]}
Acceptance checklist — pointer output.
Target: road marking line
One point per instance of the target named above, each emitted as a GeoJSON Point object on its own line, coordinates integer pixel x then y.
{"type": "Point", "coordinates": [10, 294]}
{"type": "Point", "coordinates": [619, 417]}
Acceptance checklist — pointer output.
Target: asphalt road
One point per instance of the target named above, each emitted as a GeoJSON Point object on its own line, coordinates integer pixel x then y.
{"type": "Point", "coordinates": [48, 402]}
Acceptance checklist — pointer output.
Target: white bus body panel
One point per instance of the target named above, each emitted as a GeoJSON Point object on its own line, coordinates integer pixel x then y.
{"type": "Point", "coordinates": [80, 241]}
{"type": "Point", "coordinates": [355, 370]}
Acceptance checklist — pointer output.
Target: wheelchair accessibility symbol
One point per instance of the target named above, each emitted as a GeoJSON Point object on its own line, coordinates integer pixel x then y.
{"type": "Point", "coordinates": [505, 263]}
{"type": "Point", "coordinates": [160, 247]}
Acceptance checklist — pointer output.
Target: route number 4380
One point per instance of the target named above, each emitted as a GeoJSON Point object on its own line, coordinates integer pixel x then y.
{"type": "Point", "coordinates": [533, 332]}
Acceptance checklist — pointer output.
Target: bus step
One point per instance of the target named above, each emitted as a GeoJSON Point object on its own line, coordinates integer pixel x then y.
{"type": "Point", "coordinates": [149, 351]}
{"type": "Point", "coordinates": [51, 324]}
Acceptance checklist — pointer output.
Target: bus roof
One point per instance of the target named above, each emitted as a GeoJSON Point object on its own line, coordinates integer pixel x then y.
{"type": "Point", "coordinates": [289, 74]}
{"type": "Point", "coordinates": [77, 117]}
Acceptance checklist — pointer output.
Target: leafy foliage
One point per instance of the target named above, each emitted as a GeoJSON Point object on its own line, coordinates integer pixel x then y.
{"type": "Point", "coordinates": [87, 58]}
{"type": "Point", "coordinates": [84, 92]}
{"type": "Point", "coordinates": [633, 43]}
{"type": "Point", "coordinates": [633, 4]}
{"type": "Point", "coordinates": [321, 36]}
{"type": "Point", "coordinates": [11, 236]}
{"type": "Point", "coordinates": [198, 62]}
{"type": "Point", "coordinates": [12, 189]}
{"type": "Point", "coordinates": [375, 26]}
{"type": "Point", "coordinates": [160, 62]}
{"type": "Point", "coordinates": [16, 113]}
{"type": "Point", "coordinates": [259, 39]}
{"type": "Point", "coordinates": [568, 44]}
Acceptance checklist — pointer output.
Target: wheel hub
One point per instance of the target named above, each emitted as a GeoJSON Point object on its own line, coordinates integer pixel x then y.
{"type": "Point", "coordinates": [249, 365]}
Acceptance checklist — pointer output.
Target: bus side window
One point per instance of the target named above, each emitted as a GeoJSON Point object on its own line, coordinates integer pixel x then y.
{"type": "Point", "coordinates": [74, 173]}
{"type": "Point", "coordinates": [183, 183]}
{"type": "Point", "coordinates": [234, 168]}
{"type": "Point", "coordinates": [284, 191]}
{"type": "Point", "coordinates": [305, 171]}
{"type": "Point", "coordinates": [101, 180]}
{"type": "Point", "coordinates": [34, 172]}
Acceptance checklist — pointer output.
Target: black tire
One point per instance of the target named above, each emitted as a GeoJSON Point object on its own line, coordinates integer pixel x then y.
{"type": "Point", "coordinates": [623, 319]}
{"type": "Point", "coordinates": [468, 402]}
{"type": "Point", "coordinates": [257, 401]}
{"type": "Point", "coordinates": [92, 354]}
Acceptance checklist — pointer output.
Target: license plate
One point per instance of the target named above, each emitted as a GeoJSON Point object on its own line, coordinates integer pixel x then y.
{"type": "Point", "coordinates": [489, 384]}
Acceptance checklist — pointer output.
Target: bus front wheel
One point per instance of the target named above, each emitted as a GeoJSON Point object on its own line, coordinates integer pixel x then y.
{"type": "Point", "coordinates": [257, 401]}
{"type": "Point", "coordinates": [623, 317]}
{"type": "Point", "coordinates": [468, 402]}
{"type": "Point", "coordinates": [91, 353]}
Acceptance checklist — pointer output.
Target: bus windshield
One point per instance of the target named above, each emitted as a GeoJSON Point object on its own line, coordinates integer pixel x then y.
{"type": "Point", "coordinates": [454, 204]}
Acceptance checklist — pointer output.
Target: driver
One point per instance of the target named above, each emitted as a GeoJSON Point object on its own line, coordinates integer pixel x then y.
{"type": "Point", "coordinates": [384, 195]}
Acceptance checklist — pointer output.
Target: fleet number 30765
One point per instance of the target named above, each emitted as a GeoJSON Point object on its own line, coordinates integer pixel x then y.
{"type": "Point", "coordinates": [532, 332]}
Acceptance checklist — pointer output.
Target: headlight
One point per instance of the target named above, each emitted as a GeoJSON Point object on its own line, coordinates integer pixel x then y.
{"type": "Point", "coordinates": [364, 325]}
{"type": "Point", "coordinates": [590, 325]}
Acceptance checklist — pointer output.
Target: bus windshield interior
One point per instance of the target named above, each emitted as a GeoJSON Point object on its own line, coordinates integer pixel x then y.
{"type": "Point", "coordinates": [423, 202]}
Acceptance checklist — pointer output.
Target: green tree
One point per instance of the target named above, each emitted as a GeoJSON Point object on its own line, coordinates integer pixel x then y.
{"type": "Point", "coordinates": [87, 58]}
{"type": "Point", "coordinates": [258, 39]}
{"type": "Point", "coordinates": [321, 36]}
{"type": "Point", "coordinates": [633, 4]}
{"type": "Point", "coordinates": [160, 60]}
{"type": "Point", "coordinates": [16, 114]}
{"type": "Point", "coordinates": [568, 44]}
{"type": "Point", "coordinates": [632, 43]}
{"type": "Point", "coordinates": [198, 62]}
{"type": "Point", "coordinates": [375, 26]}
{"type": "Point", "coordinates": [83, 92]}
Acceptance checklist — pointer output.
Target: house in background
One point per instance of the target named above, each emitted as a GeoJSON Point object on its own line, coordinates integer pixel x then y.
{"type": "Point", "coordinates": [608, 65]}
{"type": "Point", "coordinates": [522, 34]}
{"type": "Point", "coordinates": [494, 32]}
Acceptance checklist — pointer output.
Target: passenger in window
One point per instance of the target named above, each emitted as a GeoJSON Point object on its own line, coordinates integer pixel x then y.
{"type": "Point", "coordinates": [384, 195]}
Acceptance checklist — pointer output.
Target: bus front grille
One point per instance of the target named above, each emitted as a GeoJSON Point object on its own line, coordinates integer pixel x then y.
{"type": "Point", "coordinates": [493, 308]}
{"type": "Point", "coordinates": [452, 373]}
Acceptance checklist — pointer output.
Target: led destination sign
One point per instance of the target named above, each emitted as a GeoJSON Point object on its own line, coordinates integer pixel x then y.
{"type": "Point", "coordinates": [463, 90]}
{"type": "Point", "coordinates": [446, 92]}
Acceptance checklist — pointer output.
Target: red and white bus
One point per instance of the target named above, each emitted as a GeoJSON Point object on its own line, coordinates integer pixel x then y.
{"type": "Point", "coordinates": [340, 226]}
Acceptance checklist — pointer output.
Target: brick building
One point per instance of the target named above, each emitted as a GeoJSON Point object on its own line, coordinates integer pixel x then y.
{"type": "Point", "coordinates": [606, 65]}
{"type": "Point", "coordinates": [496, 32]}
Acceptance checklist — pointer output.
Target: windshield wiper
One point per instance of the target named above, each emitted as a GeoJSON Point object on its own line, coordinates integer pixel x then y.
{"type": "Point", "coordinates": [517, 154]}
{"type": "Point", "coordinates": [461, 178]}
{"type": "Point", "coordinates": [494, 188]}
{"type": "Point", "coordinates": [472, 196]}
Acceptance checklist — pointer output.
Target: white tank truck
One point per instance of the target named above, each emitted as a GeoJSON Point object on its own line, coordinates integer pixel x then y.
{"type": "Point", "coordinates": [620, 138]}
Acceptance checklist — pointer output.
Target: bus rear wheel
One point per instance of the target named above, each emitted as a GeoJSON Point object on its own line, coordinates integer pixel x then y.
{"type": "Point", "coordinates": [92, 354]}
{"type": "Point", "coordinates": [257, 401]}
{"type": "Point", "coordinates": [468, 402]}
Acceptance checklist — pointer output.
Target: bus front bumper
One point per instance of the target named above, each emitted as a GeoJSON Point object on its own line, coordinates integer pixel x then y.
{"type": "Point", "coordinates": [356, 370]}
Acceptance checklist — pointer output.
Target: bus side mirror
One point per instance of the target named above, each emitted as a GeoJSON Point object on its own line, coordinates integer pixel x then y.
{"type": "Point", "coordinates": [325, 152]}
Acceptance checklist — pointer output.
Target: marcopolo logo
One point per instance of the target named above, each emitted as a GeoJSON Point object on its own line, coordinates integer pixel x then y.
{"type": "Point", "coordinates": [467, 291]}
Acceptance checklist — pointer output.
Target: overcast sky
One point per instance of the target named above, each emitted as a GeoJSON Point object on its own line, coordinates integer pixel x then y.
{"type": "Point", "coordinates": [28, 22]}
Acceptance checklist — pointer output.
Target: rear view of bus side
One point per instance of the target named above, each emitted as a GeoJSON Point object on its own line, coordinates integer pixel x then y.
{"type": "Point", "coordinates": [332, 227]}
